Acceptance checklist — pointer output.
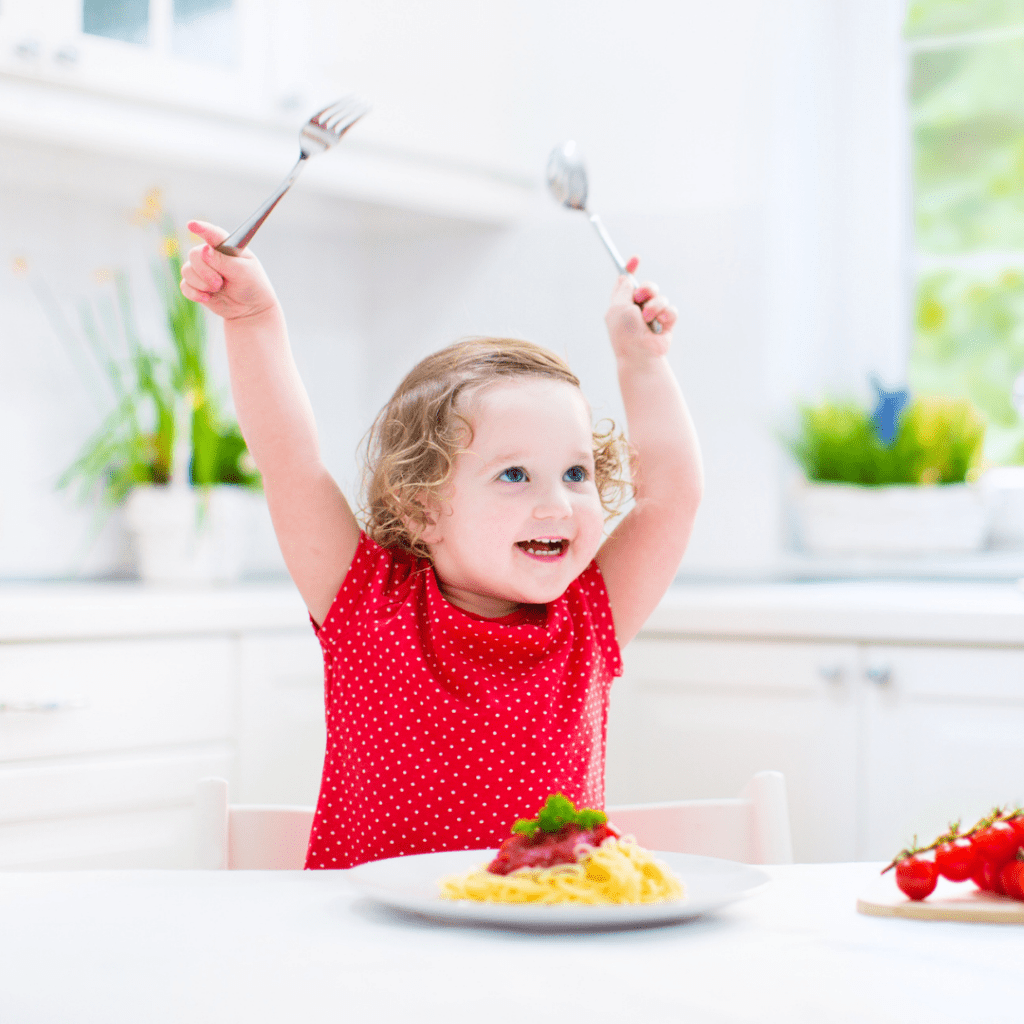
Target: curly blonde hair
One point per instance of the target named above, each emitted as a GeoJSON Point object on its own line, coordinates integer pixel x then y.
{"type": "Point", "coordinates": [412, 444]}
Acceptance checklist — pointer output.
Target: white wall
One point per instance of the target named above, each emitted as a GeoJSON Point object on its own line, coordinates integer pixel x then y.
{"type": "Point", "coordinates": [718, 138]}
{"type": "Point", "coordinates": [667, 104]}
{"type": "Point", "coordinates": [68, 217]}
{"type": "Point", "coordinates": [835, 197]}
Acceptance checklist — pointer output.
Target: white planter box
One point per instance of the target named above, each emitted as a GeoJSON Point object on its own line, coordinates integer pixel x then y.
{"type": "Point", "coordinates": [1004, 487]}
{"type": "Point", "coordinates": [185, 535]}
{"type": "Point", "coordinates": [846, 519]}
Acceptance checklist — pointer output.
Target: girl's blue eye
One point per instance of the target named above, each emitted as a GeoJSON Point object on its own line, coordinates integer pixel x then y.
{"type": "Point", "coordinates": [513, 475]}
{"type": "Point", "coordinates": [576, 474]}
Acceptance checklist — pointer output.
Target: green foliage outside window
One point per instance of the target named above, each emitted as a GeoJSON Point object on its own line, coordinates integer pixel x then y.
{"type": "Point", "coordinates": [952, 17]}
{"type": "Point", "coordinates": [967, 117]}
{"type": "Point", "coordinates": [970, 344]}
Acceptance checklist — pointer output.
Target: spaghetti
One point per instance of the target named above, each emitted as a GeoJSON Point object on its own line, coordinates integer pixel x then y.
{"type": "Point", "coordinates": [617, 871]}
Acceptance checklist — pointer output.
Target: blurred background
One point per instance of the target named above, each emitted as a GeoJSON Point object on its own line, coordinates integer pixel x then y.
{"type": "Point", "coordinates": [830, 192]}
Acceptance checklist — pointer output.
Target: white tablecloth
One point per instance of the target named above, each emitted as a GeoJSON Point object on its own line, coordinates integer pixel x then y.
{"type": "Point", "coordinates": [189, 947]}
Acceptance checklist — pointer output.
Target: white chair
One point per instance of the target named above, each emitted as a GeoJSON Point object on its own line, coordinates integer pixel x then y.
{"type": "Point", "coordinates": [254, 836]}
{"type": "Point", "coordinates": [752, 828]}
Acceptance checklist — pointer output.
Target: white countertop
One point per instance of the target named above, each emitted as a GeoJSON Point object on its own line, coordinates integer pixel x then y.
{"type": "Point", "coordinates": [75, 611]}
{"type": "Point", "coordinates": [165, 947]}
{"type": "Point", "coordinates": [957, 612]}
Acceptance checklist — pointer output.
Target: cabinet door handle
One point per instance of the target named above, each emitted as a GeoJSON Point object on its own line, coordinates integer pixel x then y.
{"type": "Point", "coordinates": [35, 706]}
{"type": "Point", "coordinates": [27, 49]}
{"type": "Point", "coordinates": [831, 673]}
{"type": "Point", "coordinates": [879, 674]}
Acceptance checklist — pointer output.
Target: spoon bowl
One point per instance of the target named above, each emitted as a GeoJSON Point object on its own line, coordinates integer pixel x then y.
{"type": "Point", "coordinates": [567, 177]}
{"type": "Point", "coordinates": [567, 182]}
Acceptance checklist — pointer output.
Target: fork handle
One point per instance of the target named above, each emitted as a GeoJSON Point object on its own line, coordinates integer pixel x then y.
{"type": "Point", "coordinates": [242, 235]}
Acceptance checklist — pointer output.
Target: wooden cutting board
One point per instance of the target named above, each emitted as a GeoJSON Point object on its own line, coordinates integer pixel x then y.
{"type": "Point", "coordinates": [951, 901]}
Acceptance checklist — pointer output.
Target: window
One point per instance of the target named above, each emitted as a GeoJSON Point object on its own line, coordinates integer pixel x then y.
{"type": "Point", "coordinates": [204, 30]}
{"type": "Point", "coordinates": [966, 94]}
{"type": "Point", "coordinates": [200, 30]}
{"type": "Point", "coordinates": [127, 20]}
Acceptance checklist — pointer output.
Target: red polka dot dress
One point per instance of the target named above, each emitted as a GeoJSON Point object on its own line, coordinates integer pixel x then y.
{"type": "Point", "coordinates": [443, 727]}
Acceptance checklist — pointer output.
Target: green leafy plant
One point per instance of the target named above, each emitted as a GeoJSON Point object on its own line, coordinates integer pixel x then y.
{"type": "Point", "coordinates": [938, 441]}
{"type": "Point", "coordinates": [157, 392]}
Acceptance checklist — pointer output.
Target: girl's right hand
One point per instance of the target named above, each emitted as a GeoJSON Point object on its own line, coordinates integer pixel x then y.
{"type": "Point", "coordinates": [233, 287]}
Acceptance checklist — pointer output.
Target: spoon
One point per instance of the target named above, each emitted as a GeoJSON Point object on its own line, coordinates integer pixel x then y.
{"type": "Point", "coordinates": [567, 180]}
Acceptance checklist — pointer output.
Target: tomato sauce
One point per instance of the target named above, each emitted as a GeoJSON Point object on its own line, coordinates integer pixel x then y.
{"type": "Point", "coordinates": [546, 849]}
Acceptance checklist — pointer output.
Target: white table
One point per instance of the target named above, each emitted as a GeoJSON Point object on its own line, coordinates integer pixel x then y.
{"type": "Point", "coordinates": [189, 947]}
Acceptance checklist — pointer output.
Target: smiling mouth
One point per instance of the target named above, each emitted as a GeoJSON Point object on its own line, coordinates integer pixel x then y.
{"type": "Point", "coordinates": [544, 547]}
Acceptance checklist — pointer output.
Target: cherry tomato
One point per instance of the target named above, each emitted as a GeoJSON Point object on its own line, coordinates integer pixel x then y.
{"type": "Point", "coordinates": [997, 843]}
{"type": "Point", "coordinates": [1017, 824]}
{"type": "Point", "coordinates": [1012, 879]}
{"type": "Point", "coordinates": [986, 877]}
{"type": "Point", "coordinates": [956, 860]}
{"type": "Point", "coordinates": [916, 877]}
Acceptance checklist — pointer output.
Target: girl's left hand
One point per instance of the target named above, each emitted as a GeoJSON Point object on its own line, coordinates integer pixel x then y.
{"type": "Point", "coordinates": [630, 312]}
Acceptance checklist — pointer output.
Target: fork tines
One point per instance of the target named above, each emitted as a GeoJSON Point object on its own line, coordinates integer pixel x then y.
{"type": "Point", "coordinates": [341, 114]}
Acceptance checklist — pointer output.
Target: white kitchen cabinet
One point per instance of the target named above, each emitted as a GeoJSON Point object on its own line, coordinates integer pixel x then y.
{"type": "Point", "coordinates": [207, 54]}
{"type": "Point", "coordinates": [105, 731]}
{"type": "Point", "coordinates": [697, 718]}
{"type": "Point", "coordinates": [229, 101]}
{"type": "Point", "coordinates": [102, 743]}
{"type": "Point", "coordinates": [281, 730]}
{"type": "Point", "coordinates": [878, 741]}
{"type": "Point", "coordinates": [890, 709]}
{"type": "Point", "coordinates": [943, 738]}
{"type": "Point", "coordinates": [433, 95]}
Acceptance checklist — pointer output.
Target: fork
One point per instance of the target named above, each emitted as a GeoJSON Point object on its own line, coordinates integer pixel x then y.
{"type": "Point", "coordinates": [319, 134]}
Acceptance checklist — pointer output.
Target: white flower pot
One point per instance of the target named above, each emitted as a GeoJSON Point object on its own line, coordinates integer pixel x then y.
{"type": "Point", "coordinates": [846, 519]}
{"type": "Point", "coordinates": [184, 535]}
{"type": "Point", "coordinates": [1004, 486]}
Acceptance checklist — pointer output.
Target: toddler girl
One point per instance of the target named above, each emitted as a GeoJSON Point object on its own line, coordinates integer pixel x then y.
{"type": "Point", "coordinates": [472, 630]}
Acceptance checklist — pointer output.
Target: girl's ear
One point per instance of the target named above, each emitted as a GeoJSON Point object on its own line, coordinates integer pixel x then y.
{"type": "Point", "coordinates": [431, 533]}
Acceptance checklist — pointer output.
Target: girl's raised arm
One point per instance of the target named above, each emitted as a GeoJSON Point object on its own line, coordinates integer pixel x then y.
{"type": "Point", "coordinates": [640, 558]}
{"type": "Point", "coordinates": [315, 527]}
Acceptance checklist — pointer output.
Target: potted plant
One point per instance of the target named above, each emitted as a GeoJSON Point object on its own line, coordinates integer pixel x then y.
{"type": "Point", "coordinates": [895, 480]}
{"type": "Point", "coordinates": [167, 450]}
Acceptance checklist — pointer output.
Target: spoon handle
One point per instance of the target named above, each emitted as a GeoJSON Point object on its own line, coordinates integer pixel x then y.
{"type": "Point", "coordinates": [602, 232]}
{"type": "Point", "coordinates": [608, 243]}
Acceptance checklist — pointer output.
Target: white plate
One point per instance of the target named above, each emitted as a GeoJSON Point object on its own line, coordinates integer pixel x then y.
{"type": "Point", "coordinates": [411, 883]}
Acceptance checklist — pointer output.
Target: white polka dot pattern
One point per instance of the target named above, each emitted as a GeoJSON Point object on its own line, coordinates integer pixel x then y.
{"type": "Point", "coordinates": [443, 727]}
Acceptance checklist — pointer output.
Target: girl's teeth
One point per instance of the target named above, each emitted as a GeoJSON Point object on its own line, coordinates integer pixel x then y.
{"type": "Point", "coordinates": [543, 547]}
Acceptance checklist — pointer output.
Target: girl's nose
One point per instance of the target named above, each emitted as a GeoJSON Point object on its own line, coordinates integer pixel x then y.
{"type": "Point", "coordinates": [553, 504]}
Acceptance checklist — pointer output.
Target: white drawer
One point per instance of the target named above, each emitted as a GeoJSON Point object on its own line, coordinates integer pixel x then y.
{"type": "Point", "coordinates": [756, 667]}
{"type": "Point", "coordinates": [107, 695]}
{"type": "Point", "coordinates": [949, 674]}
{"type": "Point", "coordinates": [97, 785]}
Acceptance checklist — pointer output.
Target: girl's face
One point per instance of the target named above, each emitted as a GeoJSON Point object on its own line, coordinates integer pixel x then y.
{"type": "Point", "coordinates": [522, 518]}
